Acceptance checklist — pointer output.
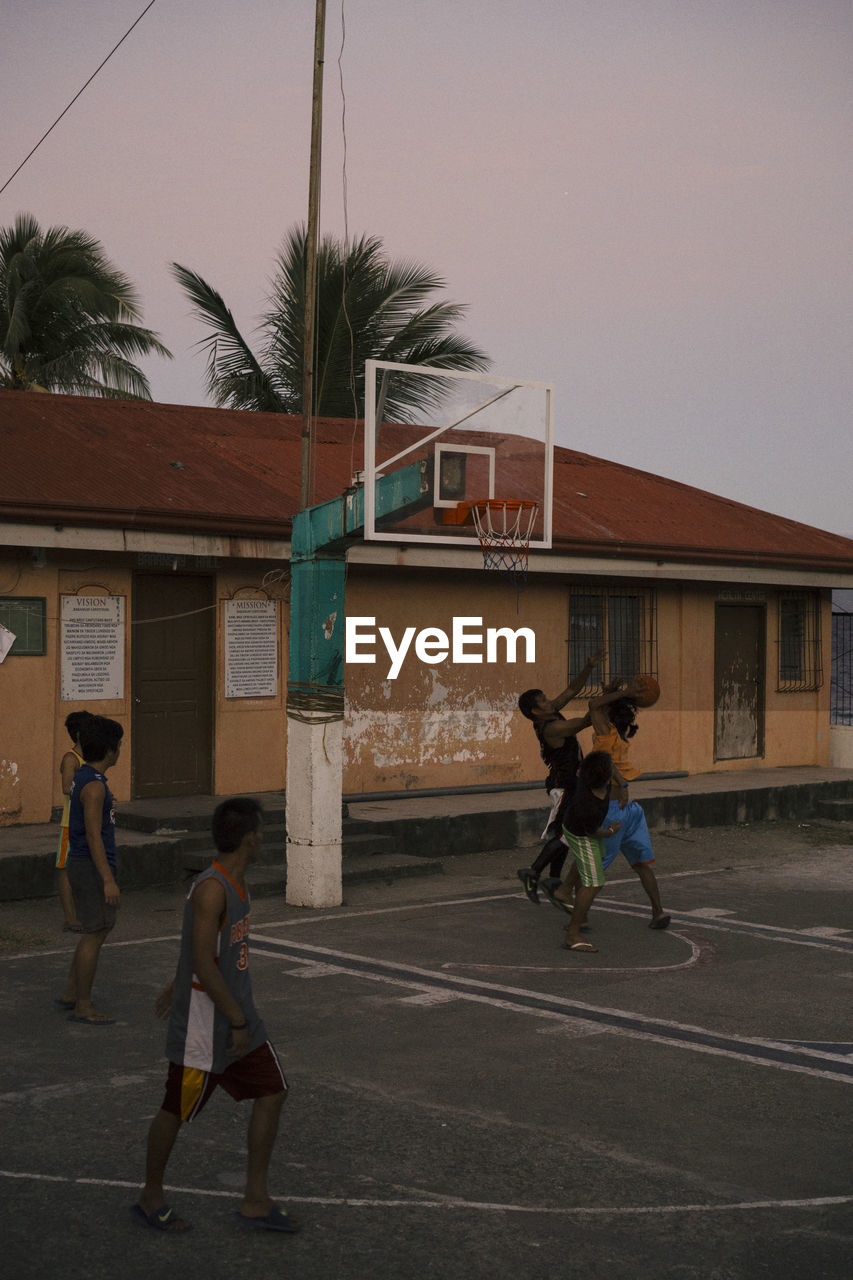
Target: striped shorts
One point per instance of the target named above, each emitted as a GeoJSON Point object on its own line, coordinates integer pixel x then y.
{"type": "Point", "coordinates": [588, 854]}
{"type": "Point", "coordinates": [257, 1075]}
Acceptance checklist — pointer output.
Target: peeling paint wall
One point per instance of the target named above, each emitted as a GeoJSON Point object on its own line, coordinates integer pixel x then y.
{"type": "Point", "coordinates": [459, 726]}
{"type": "Point", "coordinates": [10, 793]}
{"type": "Point", "coordinates": [447, 724]}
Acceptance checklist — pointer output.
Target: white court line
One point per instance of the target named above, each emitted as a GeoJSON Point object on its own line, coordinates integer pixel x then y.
{"type": "Point", "coordinates": [700, 953]}
{"type": "Point", "coordinates": [612, 1021]}
{"type": "Point", "coordinates": [705, 917]}
{"type": "Point", "coordinates": [457, 1202]}
{"type": "Point", "coordinates": [334, 914]}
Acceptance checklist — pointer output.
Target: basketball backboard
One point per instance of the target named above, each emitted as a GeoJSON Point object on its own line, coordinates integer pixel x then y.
{"type": "Point", "coordinates": [478, 436]}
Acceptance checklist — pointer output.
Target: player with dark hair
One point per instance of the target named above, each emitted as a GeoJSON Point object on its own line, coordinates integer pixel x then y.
{"type": "Point", "coordinates": [561, 754]}
{"type": "Point", "coordinates": [614, 724]}
{"type": "Point", "coordinates": [92, 862]}
{"type": "Point", "coordinates": [585, 827]}
{"type": "Point", "coordinates": [68, 766]}
{"type": "Point", "coordinates": [215, 1035]}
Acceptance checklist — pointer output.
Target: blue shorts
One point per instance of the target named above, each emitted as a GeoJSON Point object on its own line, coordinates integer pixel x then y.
{"type": "Point", "coordinates": [632, 839]}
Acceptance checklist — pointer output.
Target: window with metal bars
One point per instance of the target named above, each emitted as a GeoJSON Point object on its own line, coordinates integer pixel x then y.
{"type": "Point", "coordinates": [800, 666]}
{"type": "Point", "coordinates": [622, 622]}
{"type": "Point", "coordinates": [841, 686]}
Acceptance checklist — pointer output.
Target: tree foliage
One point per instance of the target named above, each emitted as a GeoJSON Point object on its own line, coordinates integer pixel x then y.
{"type": "Point", "coordinates": [69, 319]}
{"type": "Point", "coordinates": [367, 308]}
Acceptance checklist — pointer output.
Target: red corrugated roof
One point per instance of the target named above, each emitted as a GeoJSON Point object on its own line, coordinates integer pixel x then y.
{"type": "Point", "coordinates": [129, 464]}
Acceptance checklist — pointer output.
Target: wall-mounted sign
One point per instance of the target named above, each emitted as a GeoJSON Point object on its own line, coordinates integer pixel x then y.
{"type": "Point", "coordinates": [251, 649]}
{"type": "Point", "coordinates": [92, 648]}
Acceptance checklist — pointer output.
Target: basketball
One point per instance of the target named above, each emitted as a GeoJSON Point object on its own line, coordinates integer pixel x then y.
{"type": "Point", "coordinates": [644, 690]}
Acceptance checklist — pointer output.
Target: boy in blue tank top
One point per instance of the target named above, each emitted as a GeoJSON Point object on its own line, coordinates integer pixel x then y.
{"type": "Point", "coordinates": [215, 1035]}
{"type": "Point", "coordinates": [91, 863]}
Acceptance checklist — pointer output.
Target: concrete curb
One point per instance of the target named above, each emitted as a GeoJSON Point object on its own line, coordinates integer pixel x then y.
{"type": "Point", "coordinates": [391, 847]}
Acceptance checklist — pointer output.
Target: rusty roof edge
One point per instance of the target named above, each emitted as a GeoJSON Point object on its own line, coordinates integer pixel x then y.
{"type": "Point", "coordinates": [684, 553]}
{"type": "Point", "coordinates": [144, 518]}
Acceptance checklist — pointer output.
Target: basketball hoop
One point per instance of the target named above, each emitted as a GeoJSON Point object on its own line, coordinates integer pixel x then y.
{"type": "Point", "coordinates": [504, 527]}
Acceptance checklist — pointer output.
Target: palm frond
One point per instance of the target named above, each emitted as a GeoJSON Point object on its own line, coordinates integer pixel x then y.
{"type": "Point", "coordinates": [68, 317]}
{"type": "Point", "coordinates": [367, 307]}
{"type": "Point", "coordinates": [235, 378]}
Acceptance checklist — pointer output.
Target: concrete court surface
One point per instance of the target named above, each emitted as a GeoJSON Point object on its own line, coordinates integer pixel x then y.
{"type": "Point", "coordinates": [467, 1098]}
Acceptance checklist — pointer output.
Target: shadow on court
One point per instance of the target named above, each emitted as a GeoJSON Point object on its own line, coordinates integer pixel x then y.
{"type": "Point", "coordinates": [469, 1099]}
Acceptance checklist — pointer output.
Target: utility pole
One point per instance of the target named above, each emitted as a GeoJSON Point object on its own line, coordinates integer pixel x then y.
{"type": "Point", "coordinates": [315, 695]}
{"type": "Point", "coordinates": [311, 251]}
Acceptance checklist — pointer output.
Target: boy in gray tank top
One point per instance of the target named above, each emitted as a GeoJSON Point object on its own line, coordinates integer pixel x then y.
{"type": "Point", "coordinates": [215, 1035]}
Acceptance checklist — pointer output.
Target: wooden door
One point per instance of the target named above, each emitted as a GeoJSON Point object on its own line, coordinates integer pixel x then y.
{"type": "Point", "coordinates": [173, 673]}
{"type": "Point", "coordinates": [739, 648]}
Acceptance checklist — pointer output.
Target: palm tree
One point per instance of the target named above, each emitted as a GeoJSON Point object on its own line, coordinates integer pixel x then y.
{"type": "Point", "coordinates": [68, 317]}
{"type": "Point", "coordinates": [367, 308]}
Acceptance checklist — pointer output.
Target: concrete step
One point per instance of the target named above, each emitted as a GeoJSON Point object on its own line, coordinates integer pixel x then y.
{"type": "Point", "coordinates": [168, 857]}
{"type": "Point", "coordinates": [839, 810]}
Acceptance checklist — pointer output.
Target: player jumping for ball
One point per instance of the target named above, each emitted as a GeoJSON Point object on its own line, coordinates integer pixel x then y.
{"type": "Point", "coordinates": [613, 716]}
{"type": "Point", "coordinates": [561, 754]}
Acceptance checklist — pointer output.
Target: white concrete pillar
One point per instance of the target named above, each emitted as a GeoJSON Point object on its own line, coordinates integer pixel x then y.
{"type": "Point", "coordinates": [313, 785]}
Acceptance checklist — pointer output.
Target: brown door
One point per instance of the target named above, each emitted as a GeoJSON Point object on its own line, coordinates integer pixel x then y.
{"type": "Point", "coordinates": [739, 681]}
{"type": "Point", "coordinates": [173, 666]}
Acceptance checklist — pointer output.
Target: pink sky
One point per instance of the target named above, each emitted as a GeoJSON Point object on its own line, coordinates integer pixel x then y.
{"type": "Point", "coordinates": [647, 202]}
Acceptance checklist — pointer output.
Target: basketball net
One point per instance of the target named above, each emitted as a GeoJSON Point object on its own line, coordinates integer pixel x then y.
{"type": "Point", "coordinates": [504, 527]}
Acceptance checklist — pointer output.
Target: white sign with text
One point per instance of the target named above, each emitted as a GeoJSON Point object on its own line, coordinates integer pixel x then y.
{"type": "Point", "coordinates": [92, 648]}
{"type": "Point", "coordinates": [251, 649]}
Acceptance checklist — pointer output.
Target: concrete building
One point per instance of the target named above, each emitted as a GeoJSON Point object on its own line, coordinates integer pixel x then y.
{"type": "Point", "coordinates": [144, 569]}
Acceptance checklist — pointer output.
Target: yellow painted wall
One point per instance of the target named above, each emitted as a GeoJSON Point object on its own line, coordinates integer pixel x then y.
{"type": "Point", "coordinates": [436, 725]}
{"type": "Point", "coordinates": [447, 725]}
{"type": "Point", "coordinates": [249, 733]}
{"type": "Point", "coordinates": [459, 726]}
{"type": "Point", "coordinates": [28, 689]}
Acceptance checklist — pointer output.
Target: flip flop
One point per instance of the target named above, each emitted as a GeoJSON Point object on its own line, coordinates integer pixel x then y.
{"type": "Point", "coordinates": [662, 922]}
{"type": "Point", "coordinates": [99, 1021]}
{"type": "Point", "coordinates": [579, 946]}
{"type": "Point", "coordinates": [72, 928]}
{"type": "Point", "coordinates": [276, 1220]}
{"type": "Point", "coordinates": [164, 1219]}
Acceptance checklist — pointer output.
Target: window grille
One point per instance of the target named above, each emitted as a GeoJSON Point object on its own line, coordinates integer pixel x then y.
{"type": "Point", "coordinates": [841, 683]}
{"type": "Point", "coordinates": [798, 642]}
{"type": "Point", "coordinates": [621, 622]}
{"type": "Point", "coordinates": [25, 617]}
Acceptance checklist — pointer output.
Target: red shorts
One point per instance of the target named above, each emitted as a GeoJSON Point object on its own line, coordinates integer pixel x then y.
{"type": "Point", "coordinates": [258, 1075]}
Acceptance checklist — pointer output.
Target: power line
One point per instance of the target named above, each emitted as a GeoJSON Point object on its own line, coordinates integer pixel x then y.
{"type": "Point", "coordinates": [76, 96]}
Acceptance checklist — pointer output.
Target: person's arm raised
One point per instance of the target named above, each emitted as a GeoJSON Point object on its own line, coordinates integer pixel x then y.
{"type": "Point", "coordinates": [579, 682]}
